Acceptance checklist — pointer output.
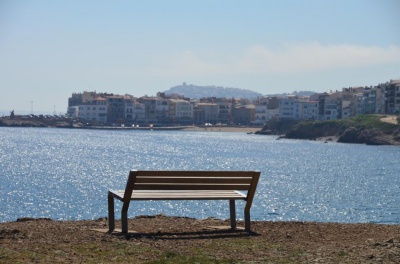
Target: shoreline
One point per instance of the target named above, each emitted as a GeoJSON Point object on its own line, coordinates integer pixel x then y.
{"type": "Point", "coordinates": [241, 129]}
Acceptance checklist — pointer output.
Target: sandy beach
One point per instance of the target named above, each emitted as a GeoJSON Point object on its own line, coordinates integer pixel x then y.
{"type": "Point", "coordinates": [239, 129]}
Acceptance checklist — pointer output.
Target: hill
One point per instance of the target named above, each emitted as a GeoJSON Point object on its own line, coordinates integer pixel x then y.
{"type": "Point", "coordinates": [196, 92]}
{"type": "Point", "coordinates": [296, 93]}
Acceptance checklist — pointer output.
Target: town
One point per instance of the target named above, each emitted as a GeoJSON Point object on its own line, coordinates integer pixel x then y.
{"type": "Point", "coordinates": [173, 109]}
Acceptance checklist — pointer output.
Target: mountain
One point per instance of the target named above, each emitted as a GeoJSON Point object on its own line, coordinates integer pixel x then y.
{"type": "Point", "coordinates": [296, 93]}
{"type": "Point", "coordinates": [196, 92]}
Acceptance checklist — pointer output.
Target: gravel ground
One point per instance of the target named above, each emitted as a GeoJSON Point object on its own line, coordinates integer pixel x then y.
{"type": "Point", "coordinates": [162, 239]}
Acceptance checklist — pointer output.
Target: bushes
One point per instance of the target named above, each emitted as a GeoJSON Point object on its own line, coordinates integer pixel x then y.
{"type": "Point", "coordinates": [315, 129]}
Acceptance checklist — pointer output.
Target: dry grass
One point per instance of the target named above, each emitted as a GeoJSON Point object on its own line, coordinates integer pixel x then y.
{"type": "Point", "coordinates": [161, 239]}
{"type": "Point", "coordinates": [390, 119]}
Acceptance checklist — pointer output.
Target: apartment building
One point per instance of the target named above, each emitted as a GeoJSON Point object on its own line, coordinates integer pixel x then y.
{"type": "Point", "coordinates": [89, 108]}
{"type": "Point", "coordinates": [260, 113]}
{"type": "Point", "coordinates": [286, 108]}
{"type": "Point", "coordinates": [309, 110]}
{"type": "Point", "coordinates": [157, 109]}
{"type": "Point", "coordinates": [180, 111]}
{"type": "Point", "coordinates": [205, 113]}
{"type": "Point", "coordinates": [261, 108]}
{"type": "Point", "coordinates": [134, 111]}
{"type": "Point", "coordinates": [115, 109]}
{"type": "Point", "coordinates": [225, 106]}
{"type": "Point", "coordinates": [244, 115]}
{"type": "Point", "coordinates": [294, 107]}
{"type": "Point", "coordinates": [391, 92]}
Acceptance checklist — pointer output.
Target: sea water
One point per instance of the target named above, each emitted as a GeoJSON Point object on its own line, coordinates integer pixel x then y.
{"type": "Point", "coordinates": [64, 174]}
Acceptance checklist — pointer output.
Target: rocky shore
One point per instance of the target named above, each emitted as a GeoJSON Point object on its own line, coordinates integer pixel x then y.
{"type": "Point", "coordinates": [364, 129]}
{"type": "Point", "coordinates": [162, 239]}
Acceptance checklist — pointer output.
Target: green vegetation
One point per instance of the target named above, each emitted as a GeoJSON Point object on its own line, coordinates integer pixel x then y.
{"type": "Point", "coordinates": [370, 122]}
{"type": "Point", "coordinates": [174, 258]}
{"type": "Point", "coordinates": [315, 129]}
{"type": "Point", "coordinates": [126, 252]}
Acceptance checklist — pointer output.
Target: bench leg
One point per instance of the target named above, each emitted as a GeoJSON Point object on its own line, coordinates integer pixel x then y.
{"type": "Point", "coordinates": [247, 220]}
{"type": "Point", "coordinates": [124, 217]}
{"type": "Point", "coordinates": [111, 216]}
{"type": "Point", "coordinates": [124, 222]}
{"type": "Point", "coordinates": [232, 207]}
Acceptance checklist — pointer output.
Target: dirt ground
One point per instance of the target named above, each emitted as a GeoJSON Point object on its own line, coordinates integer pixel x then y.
{"type": "Point", "coordinates": [162, 239]}
{"type": "Point", "coordinates": [390, 119]}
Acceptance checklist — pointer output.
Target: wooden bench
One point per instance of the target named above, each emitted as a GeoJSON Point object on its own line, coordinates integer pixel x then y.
{"type": "Point", "coordinates": [185, 185]}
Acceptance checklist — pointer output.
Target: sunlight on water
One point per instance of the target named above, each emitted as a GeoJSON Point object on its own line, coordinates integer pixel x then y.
{"type": "Point", "coordinates": [65, 174]}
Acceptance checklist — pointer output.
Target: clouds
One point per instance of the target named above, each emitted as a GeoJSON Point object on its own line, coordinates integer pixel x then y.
{"type": "Point", "coordinates": [288, 59]}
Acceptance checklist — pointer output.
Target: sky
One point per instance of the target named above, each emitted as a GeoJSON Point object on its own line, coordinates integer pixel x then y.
{"type": "Point", "coordinates": [51, 49]}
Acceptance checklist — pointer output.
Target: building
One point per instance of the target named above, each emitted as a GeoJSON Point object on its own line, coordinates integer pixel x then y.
{"type": "Point", "coordinates": [309, 110]}
{"type": "Point", "coordinates": [205, 113]}
{"type": "Point", "coordinates": [244, 115]}
{"type": "Point", "coordinates": [225, 106]}
{"type": "Point", "coordinates": [134, 110]}
{"type": "Point", "coordinates": [181, 111]}
{"type": "Point", "coordinates": [261, 107]}
{"type": "Point", "coordinates": [392, 96]}
{"type": "Point", "coordinates": [116, 109]}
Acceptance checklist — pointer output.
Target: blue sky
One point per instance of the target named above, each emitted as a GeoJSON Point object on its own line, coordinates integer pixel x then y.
{"type": "Point", "coordinates": [51, 49]}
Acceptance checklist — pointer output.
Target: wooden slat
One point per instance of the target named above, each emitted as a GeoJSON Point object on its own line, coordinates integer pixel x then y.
{"type": "Point", "coordinates": [189, 179]}
{"type": "Point", "coordinates": [183, 186]}
{"type": "Point", "coordinates": [195, 173]}
{"type": "Point", "coordinates": [182, 195]}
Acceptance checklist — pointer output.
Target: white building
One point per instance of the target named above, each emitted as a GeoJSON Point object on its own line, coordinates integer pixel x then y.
{"type": "Point", "coordinates": [298, 108]}
{"type": "Point", "coordinates": [95, 110]}
{"type": "Point", "coordinates": [310, 110]}
{"type": "Point", "coordinates": [261, 113]}
{"type": "Point", "coordinates": [180, 110]}
{"type": "Point", "coordinates": [286, 108]}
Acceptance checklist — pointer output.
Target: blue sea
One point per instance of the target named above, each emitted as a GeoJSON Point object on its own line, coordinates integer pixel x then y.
{"type": "Point", "coordinates": [64, 174]}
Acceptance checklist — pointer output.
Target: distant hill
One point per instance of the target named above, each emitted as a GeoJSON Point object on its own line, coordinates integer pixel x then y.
{"type": "Point", "coordinates": [297, 93]}
{"type": "Point", "coordinates": [194, 91]}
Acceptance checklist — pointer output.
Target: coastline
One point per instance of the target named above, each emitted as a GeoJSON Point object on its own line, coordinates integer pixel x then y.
{"type": "Point", "coordinates": [238, 129]}
{"type": "Point", "coordinates": [188, 240]}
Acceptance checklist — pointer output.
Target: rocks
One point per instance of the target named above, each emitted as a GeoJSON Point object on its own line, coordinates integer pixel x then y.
{"type": "Point", "coordinates": [350, 135]}
{"type": "Point", "coordinates": [367, 136]}
{"type": "Point", "coordinates": [27, 219]}
{"type": "Point", "coordinates": [265, 132]}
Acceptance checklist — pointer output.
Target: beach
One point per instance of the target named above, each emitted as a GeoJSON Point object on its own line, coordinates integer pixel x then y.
{"type": "Point", "coordinates": [163, 239]}
{"type": "Point", "coordinates": [239, 129]}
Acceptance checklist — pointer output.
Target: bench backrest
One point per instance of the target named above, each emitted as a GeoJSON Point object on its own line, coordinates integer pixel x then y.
{"type": "Point", "coordinates": [192, 180]}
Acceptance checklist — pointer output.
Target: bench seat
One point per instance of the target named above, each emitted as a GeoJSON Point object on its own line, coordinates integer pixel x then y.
{"type": "Point", "coordinates": [181, 195]}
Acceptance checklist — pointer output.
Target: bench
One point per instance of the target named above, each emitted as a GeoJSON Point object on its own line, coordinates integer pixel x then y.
{"type": "Point", "coordinates": [185, 185]}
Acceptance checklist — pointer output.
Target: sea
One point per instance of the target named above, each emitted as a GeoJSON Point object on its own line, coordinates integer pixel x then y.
{"type": "Point", "coordinates": [65, 174]}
